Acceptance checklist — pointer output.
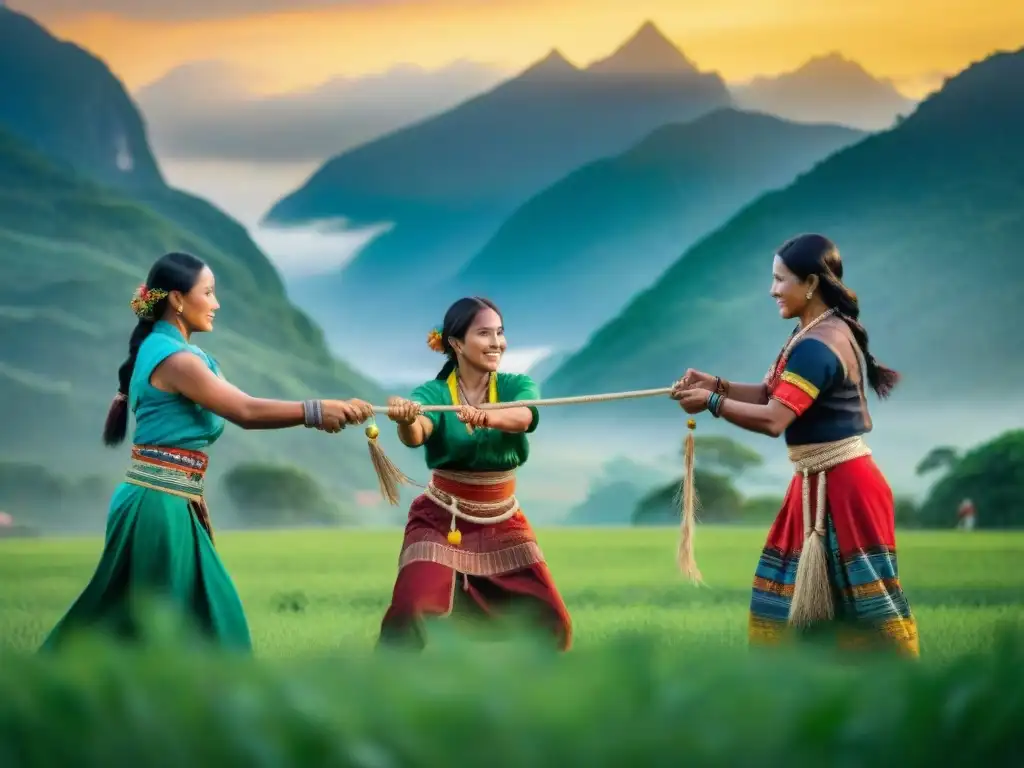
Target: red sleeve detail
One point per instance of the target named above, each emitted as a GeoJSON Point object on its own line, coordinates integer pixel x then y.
{"type": "Point", "coordinates": [792, 397]}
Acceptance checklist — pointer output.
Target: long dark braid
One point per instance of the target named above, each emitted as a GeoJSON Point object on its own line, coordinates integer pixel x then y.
{"type": "Point", "coordinates": [813, 254]}
{"type": "Point", "coordinates": [171, 272]}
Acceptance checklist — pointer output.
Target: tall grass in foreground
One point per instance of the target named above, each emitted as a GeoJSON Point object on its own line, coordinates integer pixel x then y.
{"type": "Point", "coordinates": [630, 701]}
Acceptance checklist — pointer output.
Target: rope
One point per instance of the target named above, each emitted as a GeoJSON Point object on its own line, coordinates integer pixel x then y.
{"type": "Point", "coordinates": [578, 400]}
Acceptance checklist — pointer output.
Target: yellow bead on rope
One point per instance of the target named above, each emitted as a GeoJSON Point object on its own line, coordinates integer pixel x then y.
{"type": "Point", "coordinates": [691, 424]}
{"type": "Point", "coordinates": [455, 537]}
{"type": "Point", "coordinates": [372, 432]}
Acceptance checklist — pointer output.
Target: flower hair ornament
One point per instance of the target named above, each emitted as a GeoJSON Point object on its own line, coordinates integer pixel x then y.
{"type": "Point", "coordinates": [145, 300]}
{"type": "Point", "coordinates": [435, 341]}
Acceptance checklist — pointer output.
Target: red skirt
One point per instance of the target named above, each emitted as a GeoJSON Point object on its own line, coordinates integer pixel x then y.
{"type": "Point", "coordinates": [861, 550]}
{"type": "Point", "coordinates": [494, 570]}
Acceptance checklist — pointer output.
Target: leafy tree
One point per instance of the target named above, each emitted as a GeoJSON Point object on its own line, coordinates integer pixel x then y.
{"type": "Point", "coordinates": [722, 454]}
{"type": "Point", "coordinates": [718, 461]}
{"type": "Point", "coordinates": [719, 501]}
{"type": "Point", "coordinates": [992, 475]}
{"type": "Point", "coordinates": [269, 495]}
{"type": "Point", "coordinates": [941, 458]}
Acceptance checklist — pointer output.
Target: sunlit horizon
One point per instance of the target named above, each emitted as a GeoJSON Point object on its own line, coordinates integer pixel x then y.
{"type": "Point", "coordinates": [915, 44]}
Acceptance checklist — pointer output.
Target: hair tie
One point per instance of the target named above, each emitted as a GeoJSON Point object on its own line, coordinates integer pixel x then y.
{"type": "Point", "coordinates": [144, 301]}
{"type": "Point", "coordinates": [435, 340]}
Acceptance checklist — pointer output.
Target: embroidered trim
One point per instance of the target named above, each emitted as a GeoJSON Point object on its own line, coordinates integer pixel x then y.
{"type": "Point", "coordinates": [800, 382]}
{"type": "Point", "coordinates": [792, 397]}
{"type": "Point", "coordinates": [175, 471]}
{"type": "Point", "coordinates": [506, 560]}
{"type": "Point", "coordinates": [453, 388]}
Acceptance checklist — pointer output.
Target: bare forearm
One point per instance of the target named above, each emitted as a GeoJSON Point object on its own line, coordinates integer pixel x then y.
{"type": "Point", "coordinates": [414, 435]}
{"type": "Point", "coordinates": [510, 420]}
{"type": "Point", "coordinates": [753, 417]}
{"type": "Point", "coordinates": [756, 394]}
{"type": "Point", "coordinates": [259, 413]}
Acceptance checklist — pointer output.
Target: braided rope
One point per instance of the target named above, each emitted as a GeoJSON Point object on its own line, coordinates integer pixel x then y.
{"type": "Point", "coordinates": [578, 400]}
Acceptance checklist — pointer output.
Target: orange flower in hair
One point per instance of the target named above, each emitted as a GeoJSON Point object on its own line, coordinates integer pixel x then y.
{"type": "Point", "coordinates": [435, 341]}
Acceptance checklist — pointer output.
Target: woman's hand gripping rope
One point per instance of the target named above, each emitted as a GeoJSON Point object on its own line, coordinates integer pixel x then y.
{"type": "Point", "coordinates": [405, 412]}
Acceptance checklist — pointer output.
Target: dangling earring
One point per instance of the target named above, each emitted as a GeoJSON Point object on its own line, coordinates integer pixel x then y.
{"type": "Point", "coordinates": [182, 309]}
{"type": "Point", "coordinates": [808, 296]}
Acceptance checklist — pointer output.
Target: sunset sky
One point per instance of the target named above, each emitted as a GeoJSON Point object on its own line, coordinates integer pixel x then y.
{"type": "Point", "coordinates": [288, 44]}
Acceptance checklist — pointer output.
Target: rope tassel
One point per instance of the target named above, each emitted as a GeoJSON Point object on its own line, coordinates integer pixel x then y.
{"type": "Point", "coordinates": [688, 496]}
{"type": "Point", "coordinates": [389, 475]}
{"type": "Point", "coordinates": [812, 595]}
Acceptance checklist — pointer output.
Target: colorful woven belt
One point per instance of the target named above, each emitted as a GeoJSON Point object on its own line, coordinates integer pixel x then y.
{"type": "Point", "coordinates": [172, 470]}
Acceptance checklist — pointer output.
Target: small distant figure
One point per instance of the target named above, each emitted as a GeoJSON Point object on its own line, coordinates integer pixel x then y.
{"type": "Point", "coordinates": [967, 515]}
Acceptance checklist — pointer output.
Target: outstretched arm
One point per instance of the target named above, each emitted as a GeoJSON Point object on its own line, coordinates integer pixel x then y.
{"type": "Point", "coordinates": [811, 367]}
{"type": "Point", "coordinates": [770, 419]}
{"type": "Point", "coordinates": [756, 394]}
{"type": "Point", "coordinates": [745, 393]}
{"type": "Point", "coordinates": [186, 374]}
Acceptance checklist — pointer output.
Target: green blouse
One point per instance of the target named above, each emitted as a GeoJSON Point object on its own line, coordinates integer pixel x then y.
{"type": "Point", "coordinates": [452, 447]}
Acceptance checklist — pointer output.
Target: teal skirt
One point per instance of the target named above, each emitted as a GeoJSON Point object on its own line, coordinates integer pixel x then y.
{"type": "Point", "coordinates": [155, 547]}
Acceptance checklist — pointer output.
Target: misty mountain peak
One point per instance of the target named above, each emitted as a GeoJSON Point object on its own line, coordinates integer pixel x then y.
{"type": "Point", "coordinates": [648, 51]}
{"type": "Point", "coordinates": [554, 64]}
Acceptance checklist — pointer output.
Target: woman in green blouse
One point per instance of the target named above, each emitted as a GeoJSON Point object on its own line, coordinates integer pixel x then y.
{"type": "Point", "coordinates": [466, 535]}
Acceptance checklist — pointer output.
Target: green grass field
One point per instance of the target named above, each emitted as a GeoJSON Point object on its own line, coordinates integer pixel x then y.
{"type": "Point", "coordinates": [961, 586]}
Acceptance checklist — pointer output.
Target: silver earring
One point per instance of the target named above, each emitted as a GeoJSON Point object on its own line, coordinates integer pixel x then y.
{"type": "Point", "coordinates": [809, 294]}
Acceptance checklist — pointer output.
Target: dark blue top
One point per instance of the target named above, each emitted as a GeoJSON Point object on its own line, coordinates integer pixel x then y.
{"type": "Point", "coordinates": [822, 381]}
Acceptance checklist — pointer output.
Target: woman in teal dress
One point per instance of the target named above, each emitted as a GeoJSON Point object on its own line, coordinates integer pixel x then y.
{"type": "Point", "coordinates": [159, 542]}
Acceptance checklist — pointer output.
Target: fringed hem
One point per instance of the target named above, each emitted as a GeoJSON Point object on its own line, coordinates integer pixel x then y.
{"type": "Point", "coordinates": [496, 563]}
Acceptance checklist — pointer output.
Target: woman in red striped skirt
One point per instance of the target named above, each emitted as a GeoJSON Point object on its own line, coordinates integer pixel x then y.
{"type": "Point", "coordinates": [830, 557]}
{"type": "Point", "coordinates": [468, 548]}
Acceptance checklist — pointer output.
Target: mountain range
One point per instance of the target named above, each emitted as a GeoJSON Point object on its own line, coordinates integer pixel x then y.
{"type": "Point", "coordinates": [447, 183]}
{"type": "Point", "coordinates": [929, 217]}
{"type": "Point", "coordinates": [829, 88]}
{"type": "Point", "coordinates": [79, 229]}
{"type": "Point", "coordinates": [206, 110]}
{"type": "Point", "coordinates": [569, 258]}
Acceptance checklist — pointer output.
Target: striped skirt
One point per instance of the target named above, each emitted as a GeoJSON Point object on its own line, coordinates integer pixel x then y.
{"type": "Point", "coordinates": [869, 607]}
{"type": "Point", "coordinates": [469, 549]}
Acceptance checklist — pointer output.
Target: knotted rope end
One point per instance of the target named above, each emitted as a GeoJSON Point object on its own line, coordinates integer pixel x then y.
{"type": "Point", "coordinates": [812, 591]}
{"type": "Point", "coordinates": [688, 496]}
{"type": "Point", "coordinates": [812, 594]}
{"type": "Point", "coordinates": [388, 475]}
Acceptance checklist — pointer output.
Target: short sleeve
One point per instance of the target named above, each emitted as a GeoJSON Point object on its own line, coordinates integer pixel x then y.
{"type": "Point", "coordinates": [431, 393]}
{"type": "Point", "coordinates": [519, 386]}
{"type": "Point", "coordinates": [811, 368]}
{"type": "Point", "coordinates": [211, 362]}
{"type": "Point", "coordinates": [156, 348]}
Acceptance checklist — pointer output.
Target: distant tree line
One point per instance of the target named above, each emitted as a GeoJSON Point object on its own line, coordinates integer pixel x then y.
{"type": "Point", "coordinates": [991, 475]}
{"type": "Point", "coordinates": [35, 500]}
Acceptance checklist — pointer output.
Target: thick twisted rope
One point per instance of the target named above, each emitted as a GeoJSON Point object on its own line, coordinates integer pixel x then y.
{"type": "Point", "coordinates": [391, 476]}
{"type": "Point", "coordinates": [578, 400]}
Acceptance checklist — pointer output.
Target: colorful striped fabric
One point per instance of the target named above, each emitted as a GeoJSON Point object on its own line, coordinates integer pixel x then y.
{"type": "Point", "coordinates": [172, 470]}
{"type": "Point", "coordinates": [868, 599]}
